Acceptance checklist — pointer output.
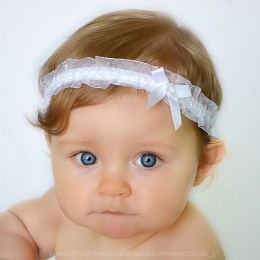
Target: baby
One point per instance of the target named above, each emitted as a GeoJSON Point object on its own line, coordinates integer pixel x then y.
{"type": "Point", "coordinates": [130, 104]}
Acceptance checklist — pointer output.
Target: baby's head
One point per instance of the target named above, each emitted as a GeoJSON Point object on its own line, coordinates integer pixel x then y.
{"type": "Point", "coordinates": [144, 36]}
{"type": "Point", "coordinates": [103, 140]}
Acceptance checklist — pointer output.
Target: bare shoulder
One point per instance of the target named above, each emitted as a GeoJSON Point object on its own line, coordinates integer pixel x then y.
{"type": "Point", "coordinates": [193, 234]}
{"type": "Point", "coordinates": [41, 218]}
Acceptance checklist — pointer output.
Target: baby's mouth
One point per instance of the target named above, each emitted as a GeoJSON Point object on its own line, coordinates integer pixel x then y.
{"type": "Point", "coordinates": [112, 212]}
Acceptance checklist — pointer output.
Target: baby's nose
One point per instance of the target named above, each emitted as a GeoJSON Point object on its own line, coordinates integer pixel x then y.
{"type": "Point", "coordinates": [114, 186]}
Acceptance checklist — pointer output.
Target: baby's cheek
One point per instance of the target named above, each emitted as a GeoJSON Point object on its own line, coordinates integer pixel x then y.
{"type": "Point", "coordinates": [177, 208]}
{"type": "Point", "coordinates": [174, 204]}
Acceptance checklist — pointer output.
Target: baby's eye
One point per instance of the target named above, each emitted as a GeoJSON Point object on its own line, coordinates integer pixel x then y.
{"type": "Point", "coordinates": [147, 160]}
{"type": "Point", "coordinates": [86, 158]}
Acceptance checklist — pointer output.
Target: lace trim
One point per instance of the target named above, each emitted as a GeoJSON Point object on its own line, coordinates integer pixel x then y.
{"type": "Point", "coordinates": [101, 72]}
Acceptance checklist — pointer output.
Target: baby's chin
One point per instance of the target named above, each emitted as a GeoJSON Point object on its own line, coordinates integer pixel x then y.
{"type": "Point", "coordinates": [116, 226]}
{"type": "Point", "coordinates": [117, 233]}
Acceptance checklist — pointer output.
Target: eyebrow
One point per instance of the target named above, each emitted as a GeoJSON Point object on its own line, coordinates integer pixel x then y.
{"type": "Point", "coordinates": [155, 144]}
{"type": "Point", "coordinates": [73, 142]}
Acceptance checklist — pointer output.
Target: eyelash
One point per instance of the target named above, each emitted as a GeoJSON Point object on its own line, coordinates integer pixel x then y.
{"type": "Point", "coordinates": [157, 164]}
{"type": "Point", "coordinates": [74, 154]}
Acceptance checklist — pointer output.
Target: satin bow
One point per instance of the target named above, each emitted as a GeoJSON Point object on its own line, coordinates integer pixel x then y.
{"type": "Point", "coordinates": [172, 91]}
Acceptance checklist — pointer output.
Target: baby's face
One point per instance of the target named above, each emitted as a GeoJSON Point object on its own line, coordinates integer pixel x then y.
{"type": "Point", "coordinates": [122, 170]}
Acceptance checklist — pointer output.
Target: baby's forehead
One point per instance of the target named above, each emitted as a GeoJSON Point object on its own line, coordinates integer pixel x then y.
{"type": "Point", "coordinates": [127, 94]}
{"type": "Point", "coordinates": [130, 103]}
{"type": "Point", "coordinates": [124, 114]}
{"type": "Point", "coordinates": [130, 99]}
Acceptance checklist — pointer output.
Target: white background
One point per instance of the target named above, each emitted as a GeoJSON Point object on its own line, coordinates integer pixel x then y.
{"type": "Point", "coordinates": [31, 30]}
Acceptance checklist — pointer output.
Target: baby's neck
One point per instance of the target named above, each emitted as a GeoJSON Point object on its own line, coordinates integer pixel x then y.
{"type": "Point", "coordinates": [126, 244]}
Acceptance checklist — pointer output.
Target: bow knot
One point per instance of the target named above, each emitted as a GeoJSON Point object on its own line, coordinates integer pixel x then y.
{"type": "Point", "coordinates": [172, 91]}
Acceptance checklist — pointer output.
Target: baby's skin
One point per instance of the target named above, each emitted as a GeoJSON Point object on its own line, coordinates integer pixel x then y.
{"type": "Point", "coordinates": [122, 178]}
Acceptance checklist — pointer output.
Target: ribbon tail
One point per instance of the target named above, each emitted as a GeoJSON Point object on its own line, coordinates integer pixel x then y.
{"type": "Point", "coordinates": [183, 91]}
{"type": "Point", "coordinates": [175, 111]}
{"type": "Point", "coordinates": [155, 96]}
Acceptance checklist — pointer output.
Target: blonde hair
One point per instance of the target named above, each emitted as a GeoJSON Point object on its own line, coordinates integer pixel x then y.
{"type": "Point", "coordinates": [146, 36]}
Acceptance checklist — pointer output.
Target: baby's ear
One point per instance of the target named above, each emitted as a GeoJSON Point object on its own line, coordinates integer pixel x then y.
{"type": "Point", "coordinates": [48, 139]}
{"type": "Point", "coordinates": [211, 154]}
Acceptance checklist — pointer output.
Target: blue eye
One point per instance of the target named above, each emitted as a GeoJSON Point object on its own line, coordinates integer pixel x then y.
{"type": "Point", "coordinates": [147, 160]}
{"type": "Point", "coordinates": [86, 158]}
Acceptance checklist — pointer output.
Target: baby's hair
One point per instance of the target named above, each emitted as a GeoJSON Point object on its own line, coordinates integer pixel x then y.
{"type": "Point", "coordinates": [146, 36]}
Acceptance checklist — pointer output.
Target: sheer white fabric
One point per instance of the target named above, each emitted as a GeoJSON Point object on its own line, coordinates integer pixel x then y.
{"type": "Point", "coordinates": [101, 72]}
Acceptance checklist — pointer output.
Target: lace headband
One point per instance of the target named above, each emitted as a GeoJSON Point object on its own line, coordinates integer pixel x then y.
{"type": "Point", "coordinates": [161, 84]}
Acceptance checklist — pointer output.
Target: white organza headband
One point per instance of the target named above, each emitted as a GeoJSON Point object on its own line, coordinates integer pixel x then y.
{"type": "Point", "coordinates": [161, 84]}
